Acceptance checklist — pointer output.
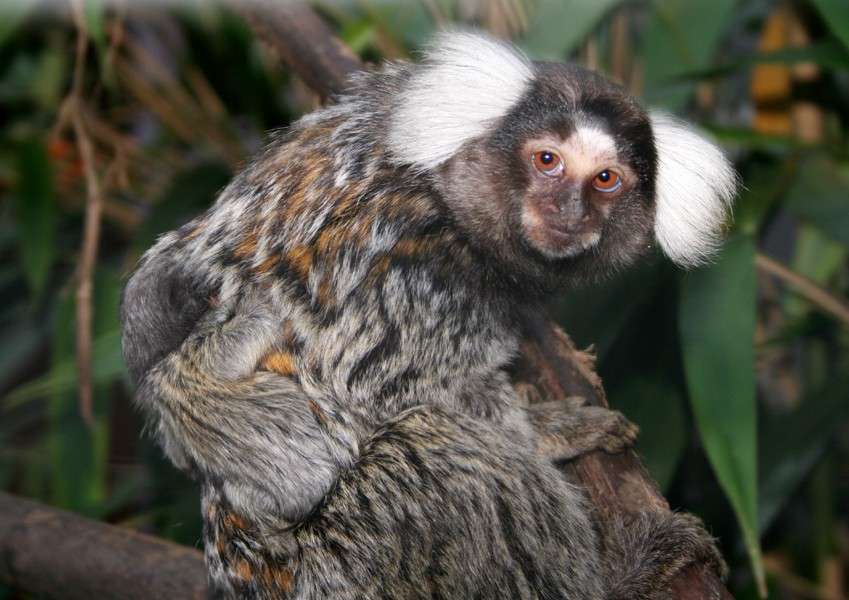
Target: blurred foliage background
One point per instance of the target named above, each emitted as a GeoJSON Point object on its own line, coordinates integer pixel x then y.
{"type": "Point", "coordinates": [122, 119]}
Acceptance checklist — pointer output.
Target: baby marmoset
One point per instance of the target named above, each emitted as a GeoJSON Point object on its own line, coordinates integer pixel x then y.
{"type": "Point", "coordinates": [325, 348]}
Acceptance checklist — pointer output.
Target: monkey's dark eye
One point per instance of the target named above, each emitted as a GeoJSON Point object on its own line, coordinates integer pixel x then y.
{"type": "Point", "coordinates": [607, 181]}
{"type": "Point", "coordinates": [548, 163]}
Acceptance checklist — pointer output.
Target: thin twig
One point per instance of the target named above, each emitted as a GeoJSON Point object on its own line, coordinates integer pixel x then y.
{"type": "Point", "coordinates": [806, 287]}
{"type": "Point", "coordinates": [91, 228]}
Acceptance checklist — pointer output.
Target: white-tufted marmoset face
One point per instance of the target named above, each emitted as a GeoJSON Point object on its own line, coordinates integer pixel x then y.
{"type": "Point", "coordinates": [553, 169]}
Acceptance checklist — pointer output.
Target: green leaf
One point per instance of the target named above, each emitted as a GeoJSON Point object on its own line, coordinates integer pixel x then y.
{"type": "Point", "coordinates": [78, 454]}
{"type": "Point", "coordinates": [557, 26]}
{"type": "Point", "coordinates": [836, 14]}
{"type": "Point", "coordinates": [19, 340]}
{"type": "Point", "coordinates": [681, 37]}
{"type": "Point", "coordinates": [828, 53]}
{"type": "Point", "coordinates": [656, 405]}
{"type": "Point", "coordinates": [818, 195]}
{"type": "Point", "coordinates": [791, 442]}
{"type": "Point", "coordinates": [358, 35]}
{"type": "Point", "coordinates": [94, 12]}
{"type": "Point", "coordinates": [12, 14]}
{"type": "Point", "coordinates": [766, 184]}
{"type": "Point", "coordinates": [406, 22]}
{"type": "Point", "coordinates": [107, 359]}
{"type": "Point", "coordinates": [107, 365]}
{"type": "Point", "coordinates": [596, 314]}
{"type": "Point", "coordinates": [50, 75]}
{"type": "Point", "coordinates": [36, 213]}
{"type": "Point", "coordinates": [817, 257]}
{"type": "Point", "coordinates": [717, 325]}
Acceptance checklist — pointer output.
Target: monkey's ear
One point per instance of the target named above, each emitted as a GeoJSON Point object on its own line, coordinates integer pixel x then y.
{"type": "Point", "coordinates": [695, 187]}
{"type": "Point", "coordinates": [466, 82]}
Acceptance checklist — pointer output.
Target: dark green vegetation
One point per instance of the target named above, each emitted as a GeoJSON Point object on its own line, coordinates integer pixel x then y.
{"type": "Point", "coordinates": [738, 373]}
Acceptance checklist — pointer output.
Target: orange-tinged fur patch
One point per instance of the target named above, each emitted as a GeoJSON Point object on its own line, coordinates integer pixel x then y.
{"type": "Point", "coordinates": [281, 363]}
{"type": "Point", "coordinates": [266, 265]}
{"type": "Point", "coordinates": [316, 411]}
{"type": "Point", "coordinates": [300, 258]}
{"type": "Point", "coordinates": [234, 521]}
{"type": "Point", "coordinates": [196, 231]}
{"type": "Point", "coordinates": [282, 579]}
{"type": "Point", "coordinates": [378, 269]}
{"type": "Point", "coordinates": [243, 570]}
{"type": "Point", "coordinates": [325, 292]}
{"type": "Point", "coordinates": [330, 241]}
{"type": "Point", "coordinates": [298, 199]}
{"type": "Point", "coordinates": [246, 247]}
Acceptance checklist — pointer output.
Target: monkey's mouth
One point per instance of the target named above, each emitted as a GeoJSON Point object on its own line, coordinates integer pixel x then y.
{"type": "Point", "coordinates": [558, 240]}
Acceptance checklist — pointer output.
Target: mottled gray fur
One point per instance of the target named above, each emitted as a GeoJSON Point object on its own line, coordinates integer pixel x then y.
{"type": "Point", "coordinates": [325, 349]}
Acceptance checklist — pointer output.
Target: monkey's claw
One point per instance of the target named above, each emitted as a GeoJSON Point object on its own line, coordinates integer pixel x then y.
{"type": "Point", "coordinates": [569, 428]}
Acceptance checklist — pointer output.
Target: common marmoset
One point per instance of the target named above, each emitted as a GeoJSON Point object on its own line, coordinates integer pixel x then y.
{"type": "Point", "coordinates": [325, 348]}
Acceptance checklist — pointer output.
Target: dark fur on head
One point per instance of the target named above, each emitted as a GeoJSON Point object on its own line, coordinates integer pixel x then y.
{"type": "Point", "coordinates": [488, 181]}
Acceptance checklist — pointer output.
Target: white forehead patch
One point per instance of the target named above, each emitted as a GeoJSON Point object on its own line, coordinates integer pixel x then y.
{"type": "Point", "coordinates": [466, 82]}
{"type": "Point", "coordinates": [589, 150]}
{"type": "Point", "coordinates": [695, 187]}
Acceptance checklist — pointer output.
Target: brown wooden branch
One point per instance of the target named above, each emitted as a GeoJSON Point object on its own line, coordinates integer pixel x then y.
{"type": "Point", "coordinates": [616, 484]}
{"type": "Point", "coordinates": [304, 42]}
{"type": "Point", "coordinates": [56, 554]}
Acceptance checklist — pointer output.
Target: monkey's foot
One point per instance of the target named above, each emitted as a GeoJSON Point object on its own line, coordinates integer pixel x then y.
{"type": "Point", "coordinates": [643, 553]}
{"type": "Point", "coordinates": [568, 428]}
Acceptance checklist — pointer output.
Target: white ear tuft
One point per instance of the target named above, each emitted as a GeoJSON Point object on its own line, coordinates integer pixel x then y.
{"type": "Point", "coordinates": [695, 187]}
{"type": "Point", "coordinates": [466, 82]}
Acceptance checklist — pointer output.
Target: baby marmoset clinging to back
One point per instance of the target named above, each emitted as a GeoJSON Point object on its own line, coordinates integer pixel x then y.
{"type": "Point", "coordinates": [325, 348]}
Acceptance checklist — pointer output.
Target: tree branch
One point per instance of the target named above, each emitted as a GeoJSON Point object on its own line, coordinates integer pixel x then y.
{"type": "Point", "coordinates": [56, 554]}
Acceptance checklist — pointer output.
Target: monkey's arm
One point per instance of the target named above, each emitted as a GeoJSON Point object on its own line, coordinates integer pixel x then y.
{"type": "Point", "coordinates": [214, 413]}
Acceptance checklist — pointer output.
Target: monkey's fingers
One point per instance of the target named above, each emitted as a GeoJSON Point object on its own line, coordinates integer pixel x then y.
{"type": "Point", "coordinates": [570, 428]}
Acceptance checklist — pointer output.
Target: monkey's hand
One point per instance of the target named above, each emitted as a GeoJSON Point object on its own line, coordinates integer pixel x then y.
{"type": "Point", "coordinates": [566, 429]}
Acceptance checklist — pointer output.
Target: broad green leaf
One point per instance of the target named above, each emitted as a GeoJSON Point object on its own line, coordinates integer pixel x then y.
{"type": "Point", "coordinates": [78, 453]}
{"type": "Point", "coordinates": [656, 405]}
{"type": "Point", "coordinates": [828, 53]}
{"type": "Point", "coordinates": [791, 443]}
{"type": "Point", "coordinates": [595, 314]}
{"type": "Point", "coordinates": [358, 35]}
{"type": "Point", "coordinates": [836, 14]}
{"type": "Point", "coordinates": [818, 195]}
{"type": "Point", "coordinates": [717, 326]}
{"type": "Point", "coordinates": [107, 359]}
{"type": "Point", "coordinates": [681, 37]}
{"type": "Point", "coordinates": [817, 257]}
{"type": "Point", "coordinates": [409, 23]}
{"type": "Point", "coordinates": [558, 26]}
{"type": "Point", "coordinates": [50, 75]}
{"type": "Point", "coordinates": [107, 365]}
{"type": "Point", "coordinates": [765, 185]}
{"type": "Point", "coordinates": [12, 14]}
{"type": "Point", "coordinates": [94, 12]}
{"type": "Point", "coordinates": [750, 140]}
{"type": "Point", "coordinates": [36, 213]}
{"type": "Point", "coordinates": [18, 341]}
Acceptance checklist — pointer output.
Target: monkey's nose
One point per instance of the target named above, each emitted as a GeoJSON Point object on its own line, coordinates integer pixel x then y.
{"type": "Point", "coordinates": [572, 208]}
